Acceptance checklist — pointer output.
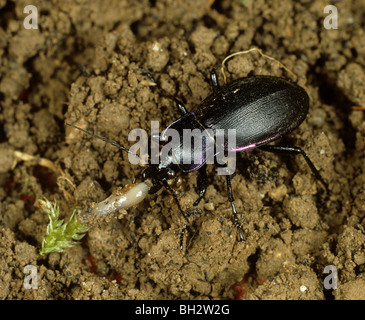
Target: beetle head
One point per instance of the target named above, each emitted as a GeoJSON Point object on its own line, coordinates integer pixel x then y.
{"type": "Point", "coordinates": [159, 175]}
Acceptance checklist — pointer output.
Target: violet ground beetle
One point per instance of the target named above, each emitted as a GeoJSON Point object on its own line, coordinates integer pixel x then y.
{"type": "Point", "coordinates": [260, 108]}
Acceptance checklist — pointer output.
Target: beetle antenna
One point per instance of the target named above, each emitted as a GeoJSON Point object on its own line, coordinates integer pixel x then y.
{"type": "Point", "coordinates": [105, 140]}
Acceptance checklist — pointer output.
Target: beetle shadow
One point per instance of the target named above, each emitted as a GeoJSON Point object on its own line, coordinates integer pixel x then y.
{"type": "Point", "coordinates": [332, 95]}
{"type": "Point", "coordinates": [261, 172]}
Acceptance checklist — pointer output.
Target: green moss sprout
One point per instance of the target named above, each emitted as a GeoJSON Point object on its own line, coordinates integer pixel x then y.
{"type": "Point", "coordinates": [60, 235]}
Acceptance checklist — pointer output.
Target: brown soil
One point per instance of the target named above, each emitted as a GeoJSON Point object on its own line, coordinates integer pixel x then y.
{"type": "Point", "coordinates": [79, 67]}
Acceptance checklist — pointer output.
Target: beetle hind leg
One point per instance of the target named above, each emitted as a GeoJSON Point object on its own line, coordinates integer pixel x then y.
{"type": "Point", "coordinates": [295, 150]}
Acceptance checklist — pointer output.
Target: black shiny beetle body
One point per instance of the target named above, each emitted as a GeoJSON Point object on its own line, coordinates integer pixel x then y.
{"type": "Point", "coordinates": [260, 108]}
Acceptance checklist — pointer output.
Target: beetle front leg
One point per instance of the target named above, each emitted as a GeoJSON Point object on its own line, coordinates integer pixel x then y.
{"type": "Point", "coordinates": [295, 151]}
{"type": "Point", "coordinates": [169, 189]}
{"type": "Point", "coordinates": [187, 224]}
{"type": "Point", "coordinates": [179, 104]}
{"type": "Point", "coordinates": [214, 80]}
{"type": "Point", "coordinates": [182, 109]}
{"type": "Point", "coordinates": [202, 188]}
{"type": "Point", "coordinates": [231, 200]}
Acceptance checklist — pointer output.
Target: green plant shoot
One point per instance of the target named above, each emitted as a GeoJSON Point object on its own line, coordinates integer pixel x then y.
{"type": "Point", "coordinates": [60, 235]}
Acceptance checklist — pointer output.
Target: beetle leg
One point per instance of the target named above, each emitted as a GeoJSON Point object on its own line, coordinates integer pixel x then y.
{"type": "Point", "coordinates": [187, 224]}
{"type": "Point", "coordinates": [179, 104]}
{"type": "Point", "coordinates": [202, 183]}
{"type": "Point", "coordinates": [138, 176]}
{"type": "Point", "coordinates": [202, 188]}
{"type": "Point", "coordinates": [231, 200]}
{"type": "Point", "coordinates": [169, 189]}
{"type": "Point", "coordinates": [182, 233]}
{"type": "Point", "coordinates": [295, 150]}
{"type": "Point", "coordinates": [214, 80]}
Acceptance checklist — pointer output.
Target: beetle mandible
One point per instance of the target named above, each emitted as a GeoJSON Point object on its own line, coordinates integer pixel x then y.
{"type": "Point", "coordinates": [261, 109]}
